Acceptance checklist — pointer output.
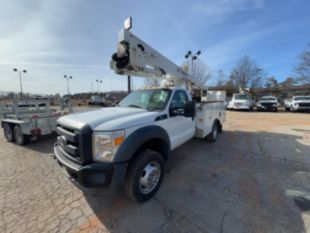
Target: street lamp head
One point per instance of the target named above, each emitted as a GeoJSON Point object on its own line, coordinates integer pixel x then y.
{"type": "Point", "coordinates": [65, 76]}
{"type": "Point", "coordinates": [25, 71]}
{"type": "Point", "coordinates": [15, 70]}
{"type": "Point", "coordinates": [189, 53]}
{"type": "Point", "coordinates": [101, 81]}
{"type": "Point", "coordinates": [198, 52]}
{"type": "Point", "coordinates": [194, 57]}
{"type": "Point", "coordinates": [186, 56]}
{"type": "Point", "coordinates": [70, 77]}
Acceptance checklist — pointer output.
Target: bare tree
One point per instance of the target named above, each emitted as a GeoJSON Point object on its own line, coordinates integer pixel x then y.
{"type": "Point", "coordinates": [303, 69]}
{"type": "Point", "coordinates": [152, 82]}
{"type": "Point", "coordinates": [200, 71]}
{"type": "Point", "coordinates": [247, 74]}
{"type": "Point", "coordinates": [271, 82]}
{"type": "Point", "coordinates": [220, 78]}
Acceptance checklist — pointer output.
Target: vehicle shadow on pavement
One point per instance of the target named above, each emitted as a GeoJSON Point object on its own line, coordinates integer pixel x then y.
{"type": "Point", "coordinates": [244, 182]}
{"type": "Point", "coordinates": [43, 144]}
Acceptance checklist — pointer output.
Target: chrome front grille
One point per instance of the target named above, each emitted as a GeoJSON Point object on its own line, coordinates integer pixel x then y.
{"type": "Point", "coordinates": [68, 141]}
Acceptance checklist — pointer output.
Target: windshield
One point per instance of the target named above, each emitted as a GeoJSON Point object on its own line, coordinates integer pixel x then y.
{"type": "Point", "coordinates": [151, 100]}
{"type": "Point", "coordinates": [241, 97]}
{"type": "Point", "coordinates": [302, 98]}
{"type": "Point", "coordinates": [268, 99]}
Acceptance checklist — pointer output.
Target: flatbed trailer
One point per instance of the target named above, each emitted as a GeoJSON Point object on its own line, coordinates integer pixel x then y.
{"type": "Point", "coordinates": [26, 120]}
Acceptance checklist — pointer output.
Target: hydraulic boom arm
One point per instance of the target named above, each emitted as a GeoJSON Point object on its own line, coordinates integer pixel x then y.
{"type": "Point", "coordinates": [135, 57]}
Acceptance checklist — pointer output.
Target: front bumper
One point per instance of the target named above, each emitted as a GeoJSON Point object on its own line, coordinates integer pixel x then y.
{"type": "Point", "coordinates": [93, 175]}
{"type": "Point", "coordinates": [297, 108]}
{"type": "Point", "coordinates": [241, 107]}
{"type": "Point", "coordinates": [266, 107]}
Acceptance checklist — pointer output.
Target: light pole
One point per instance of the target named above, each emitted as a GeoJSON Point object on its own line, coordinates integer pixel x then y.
{"type": "Point", "coordinates": [193, 57]}
{"type": "Point", "coordinates": [68, 77]}
{"type": "Point", "coordinates": [98, 81]}
{"type": "Point", "coordinates": [20, 80]}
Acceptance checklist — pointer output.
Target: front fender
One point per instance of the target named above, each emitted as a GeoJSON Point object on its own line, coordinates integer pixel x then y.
{"type": "Point", "coordinates": [138, 138]}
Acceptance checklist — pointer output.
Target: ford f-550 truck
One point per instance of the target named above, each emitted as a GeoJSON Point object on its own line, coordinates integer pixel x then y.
{"type": "Point", "coordinates": [128, 145]}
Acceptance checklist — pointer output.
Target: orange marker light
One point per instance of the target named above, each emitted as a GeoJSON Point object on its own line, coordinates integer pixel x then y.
{"type": "Point", "coordinates": [118, 140]}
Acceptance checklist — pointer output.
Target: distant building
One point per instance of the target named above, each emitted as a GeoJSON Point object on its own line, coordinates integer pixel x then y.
{"type": "Point", "coordinates": [281, 92]}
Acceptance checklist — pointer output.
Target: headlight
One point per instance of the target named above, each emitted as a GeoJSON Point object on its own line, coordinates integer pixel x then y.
{"type": "Point", "coordinates": [259, 104]}
{"type": "Point", "coordinates": [105, 145]}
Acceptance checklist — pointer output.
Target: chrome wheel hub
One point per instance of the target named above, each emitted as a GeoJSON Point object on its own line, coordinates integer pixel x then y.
{"type": "Point", "coordinates": [149, 177]}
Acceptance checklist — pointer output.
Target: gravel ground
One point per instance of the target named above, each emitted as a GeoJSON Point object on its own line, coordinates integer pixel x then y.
{"type": "Point", "coordinates": [255, 178]}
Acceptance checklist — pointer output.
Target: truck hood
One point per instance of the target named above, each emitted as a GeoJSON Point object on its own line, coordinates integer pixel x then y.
{"type": "Point", "coordinates": [301, 101]}
{"type": "Point", "coordinates": [239, 101]}
{"type": "Point", "coordinates": [109, 118]}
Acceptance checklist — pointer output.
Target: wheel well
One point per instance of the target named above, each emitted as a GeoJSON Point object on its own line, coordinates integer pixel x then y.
{"type": "Point", "coordinates": [156, 144]}
{"type": "Point", "coordinates": [8, 123]}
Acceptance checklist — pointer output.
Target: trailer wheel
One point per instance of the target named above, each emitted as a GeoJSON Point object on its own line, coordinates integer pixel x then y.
{"type": "Point", "coordinates": [213, 135]}
{"type": "Point", "coordinates": [20, 138]}
{"type": "Point", "coordinates": [8, 132]}
{"type": "Point", "coordinates": [145, 176]}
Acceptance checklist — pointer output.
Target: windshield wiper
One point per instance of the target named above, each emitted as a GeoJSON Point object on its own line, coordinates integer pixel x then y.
{"type": "Point", "coordinates": [134, 106]}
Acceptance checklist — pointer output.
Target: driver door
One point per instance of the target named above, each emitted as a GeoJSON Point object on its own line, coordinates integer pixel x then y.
{"type": "Point", "coordinates": [179, 127]}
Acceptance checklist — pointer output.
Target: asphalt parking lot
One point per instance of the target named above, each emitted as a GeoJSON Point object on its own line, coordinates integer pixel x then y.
{"type": "Point", "coordinates": [255, 178]}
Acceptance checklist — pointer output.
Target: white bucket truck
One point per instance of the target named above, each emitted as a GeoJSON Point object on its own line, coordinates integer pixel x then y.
{"type": "Point", "coordinates": [128, 145]}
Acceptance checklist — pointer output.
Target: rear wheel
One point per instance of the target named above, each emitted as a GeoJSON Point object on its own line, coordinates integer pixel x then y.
{"type": "Point", "coordinates": [145, 176]}
{"type": "Point", "coordinates": [20, 138]}
{"type": "Point", "coordinates": [213, 135]}
{"type": "Point", "coordinates": [8, 132]}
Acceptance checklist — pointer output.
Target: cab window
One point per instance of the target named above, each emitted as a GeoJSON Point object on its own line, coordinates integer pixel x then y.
{"type": "Point", "coordinates": [178, 103]}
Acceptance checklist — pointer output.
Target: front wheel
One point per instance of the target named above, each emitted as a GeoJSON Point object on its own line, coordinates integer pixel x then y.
{"type": "Point", "coordinates": [8, 132]}
{"type": "Point", "coordinates": [145, 176]}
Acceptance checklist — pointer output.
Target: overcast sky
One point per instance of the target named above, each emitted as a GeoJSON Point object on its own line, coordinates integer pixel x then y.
{"type": "Point", "coordinates": [51, 38]}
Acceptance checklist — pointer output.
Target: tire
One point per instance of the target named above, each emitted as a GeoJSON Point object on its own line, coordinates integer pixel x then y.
{"type": "Point", "coordinates": [275, 110]}
{"type": "Point", "coordinates": [147, 164]}
{"type": "Point", "coordinates": [20, 138]}
{"type": "Point", "coordinates": [287, 109]}
{"type": "Point", "coordinates": [8, 132]}
{"type": "Point", "coordinates": [214, 133]}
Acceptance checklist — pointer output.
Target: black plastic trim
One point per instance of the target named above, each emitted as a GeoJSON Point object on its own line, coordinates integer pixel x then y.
{"type": "Point", "coordinates": [85, 144]}
{"type": "Point", "coordinates": [85, 176]}
{"type": "Point", "coordinates": [138, 138]}
{"type": "Point", "coordinates": [161, 117]}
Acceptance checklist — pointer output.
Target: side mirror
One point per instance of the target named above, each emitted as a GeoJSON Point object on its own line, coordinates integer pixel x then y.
{"type": "Point", "coordinates": [190, 109]}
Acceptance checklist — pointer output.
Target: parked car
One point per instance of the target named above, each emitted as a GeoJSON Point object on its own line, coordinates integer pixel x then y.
{"type": "Point", "coordinates": [299, 103]}
{"type": "Point", "coordinates": [267, 103]}
{"type": "Point", "coordinates": [96, 100]}
{"type": "Point", "coordinates": [241, 102]}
